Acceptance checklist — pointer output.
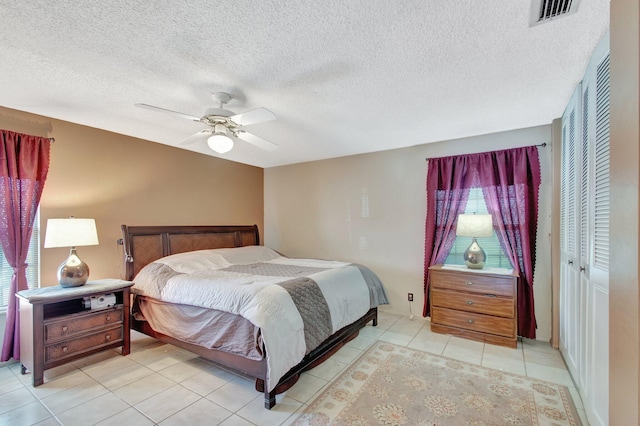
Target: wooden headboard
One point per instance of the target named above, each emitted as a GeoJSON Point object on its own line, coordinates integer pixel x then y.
{"type": "Point", "coordinates": [144, 244]}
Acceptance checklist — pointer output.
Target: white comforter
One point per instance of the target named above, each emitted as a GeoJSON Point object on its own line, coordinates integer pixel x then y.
{"type": "Point", "coordinates": [201, 282]}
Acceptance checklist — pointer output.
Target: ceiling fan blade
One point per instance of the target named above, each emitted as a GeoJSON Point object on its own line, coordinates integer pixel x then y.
{"type": "Point", "coordinates": [195, 138]}
{"type": "Point", "coordinates": [254, 116]}
{"type": "Point", "coordinates": [257, 141]}
{"type": "Point", "coordinates": [181, 114]}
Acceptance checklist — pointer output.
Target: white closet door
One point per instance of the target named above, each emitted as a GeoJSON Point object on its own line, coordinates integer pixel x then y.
{"type": "Point", "coordinates": [570, 308]}
{"type": "Point", "coordinates": [598, 266]}
{"type": "Point", "coordinates": [584, 238]}
{"type": "Point", "coordinates": [583, 229]}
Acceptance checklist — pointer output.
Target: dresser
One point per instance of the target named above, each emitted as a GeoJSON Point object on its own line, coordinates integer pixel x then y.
{"type": "Point", "coordinates": [59, 325]}
{"type": "Point", "coordinates": [475, 304]}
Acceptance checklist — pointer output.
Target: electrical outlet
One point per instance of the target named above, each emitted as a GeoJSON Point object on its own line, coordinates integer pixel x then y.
{"type": "Point", "coordinates": [410, 297]}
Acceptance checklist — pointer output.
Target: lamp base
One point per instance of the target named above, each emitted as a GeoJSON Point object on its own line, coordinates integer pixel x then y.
{"type": "Point", "coordinates": [475, 257]}
{"type": "Point", "coordinates": [73, 272]}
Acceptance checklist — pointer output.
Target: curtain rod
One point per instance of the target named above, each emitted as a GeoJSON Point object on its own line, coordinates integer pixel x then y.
{"type": "Point", "coordinates": [52, 139]}
{"type": "Point", "coordinates": [543, 144]}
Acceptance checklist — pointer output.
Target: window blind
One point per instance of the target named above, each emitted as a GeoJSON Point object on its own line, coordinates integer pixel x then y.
{"type": "Point", "coordinates": [33, 268]}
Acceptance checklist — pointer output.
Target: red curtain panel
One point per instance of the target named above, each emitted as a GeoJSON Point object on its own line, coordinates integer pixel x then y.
{"type": "Point", "coordinates": [24, 164]}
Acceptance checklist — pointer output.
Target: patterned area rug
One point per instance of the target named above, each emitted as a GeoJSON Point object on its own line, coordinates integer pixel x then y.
{"type": "Point", "coordinates": [394, 385]}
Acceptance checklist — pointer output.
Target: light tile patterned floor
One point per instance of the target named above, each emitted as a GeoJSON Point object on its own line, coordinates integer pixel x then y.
{"type": "Point", "coordinates": [161, 384]}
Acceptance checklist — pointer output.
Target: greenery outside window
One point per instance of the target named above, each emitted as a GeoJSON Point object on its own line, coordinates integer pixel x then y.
{"type": "Point", "coordinates": [495, 256]}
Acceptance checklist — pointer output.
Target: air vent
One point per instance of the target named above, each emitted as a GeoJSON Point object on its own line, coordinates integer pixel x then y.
{"type": "Point", "coordinates": [546, 10]}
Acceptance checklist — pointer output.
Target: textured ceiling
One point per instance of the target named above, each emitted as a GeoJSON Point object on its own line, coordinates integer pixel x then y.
{"type": "Point", "coordinates": [343, 77]}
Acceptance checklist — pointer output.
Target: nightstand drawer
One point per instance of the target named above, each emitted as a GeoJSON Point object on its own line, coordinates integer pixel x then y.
{"type": "Point", "coordinates": [471, 302]}
{"type": "Point", "coordinates": [474, 282]}
{"type": "Point", "coordinates": [473, 321]}
{"type": "Point", "coordinates": [71, 347]}
{"type": "Point", "coordinates": [71, 325]}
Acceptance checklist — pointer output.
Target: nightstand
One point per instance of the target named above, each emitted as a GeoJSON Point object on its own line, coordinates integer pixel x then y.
{"type": "Point", "coordinates": [59, 325]}
{"type": "Point", "coordinates": [475, 304]}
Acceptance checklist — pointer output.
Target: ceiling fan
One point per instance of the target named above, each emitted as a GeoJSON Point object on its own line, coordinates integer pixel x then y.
{"type": "Point", "coordinates": [224, 124]}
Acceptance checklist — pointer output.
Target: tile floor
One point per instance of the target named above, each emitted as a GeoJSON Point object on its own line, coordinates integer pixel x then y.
{"type": "Point", "coordinates": [161, 384]}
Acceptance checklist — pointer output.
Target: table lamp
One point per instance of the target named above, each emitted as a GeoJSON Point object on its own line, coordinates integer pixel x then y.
{"type": "Point", "coordinates": [71, 232]}
{"type": "Point", "coordinates": [475, 225]}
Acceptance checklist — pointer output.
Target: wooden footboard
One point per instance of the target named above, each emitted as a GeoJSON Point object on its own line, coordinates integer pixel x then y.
{"type": "Point", "coordinates": [258, 369]}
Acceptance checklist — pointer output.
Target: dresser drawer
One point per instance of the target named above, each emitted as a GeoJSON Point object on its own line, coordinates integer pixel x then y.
{"type": "Point", "coordinates": [71, 325]}
{"type": "Point", "coordinates": [472, 302]}
{"type": "Point", "coordinates": [71, 347]}
{"type": "Point", "coordinates": [473, 321]}
{"type": "Point", "coordinates": [474, 282]}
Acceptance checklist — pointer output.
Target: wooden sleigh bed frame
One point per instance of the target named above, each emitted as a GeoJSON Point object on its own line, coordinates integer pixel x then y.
{"type": "Point", "coordinates": [145, 244]}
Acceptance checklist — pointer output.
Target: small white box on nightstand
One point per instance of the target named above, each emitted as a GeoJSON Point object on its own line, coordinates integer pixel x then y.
{"type": "Point", "coordinates": [100, 301]}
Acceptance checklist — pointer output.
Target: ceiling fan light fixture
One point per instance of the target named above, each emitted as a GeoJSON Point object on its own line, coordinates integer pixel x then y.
{"type": "Point", "coordinates": [219, 141]}
{"type": "Point", "coordinates": [223, 124]}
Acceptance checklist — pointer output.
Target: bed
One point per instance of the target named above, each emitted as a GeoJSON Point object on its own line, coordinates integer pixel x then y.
{"type": "Point", "coordinates": [215, 291]}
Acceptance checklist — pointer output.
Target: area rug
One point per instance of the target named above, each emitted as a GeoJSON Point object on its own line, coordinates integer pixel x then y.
{"type": "Point", "coordinates": [395, 385]}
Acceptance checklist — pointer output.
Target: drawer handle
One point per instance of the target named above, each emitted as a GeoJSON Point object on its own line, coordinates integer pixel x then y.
{"type": "Point", "coordinates": [107, 337]}
{"type": "Point", "coordinates": [469, 283]}
{"type": "Point", "coordinates": [469, 302]}
{"type": "Point", "coordinates": [470, 321]}
{"type": "Point", "coordinates": [65, 328]}
{"type": "Point", "coordinates": [108, 318]}
{"type": "Point", "coordinates": [65, 349]}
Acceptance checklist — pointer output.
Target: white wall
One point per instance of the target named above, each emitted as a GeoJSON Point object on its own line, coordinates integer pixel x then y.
{"type": "Point", "coordinates": [315, 210]}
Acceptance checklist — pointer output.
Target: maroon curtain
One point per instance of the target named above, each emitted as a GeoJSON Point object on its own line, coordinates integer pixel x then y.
{"type": "Point", "coordinates": [510, 180]}
{"type": "Point", "coordinates": [447, 194]}
{"type": "Point", "coordinates": [24, 163]}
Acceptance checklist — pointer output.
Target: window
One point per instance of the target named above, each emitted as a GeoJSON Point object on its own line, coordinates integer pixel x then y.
{"type": "Point", "coordinates": [33, 270]}
{"type": "Point", "coordinates": [495, 256]}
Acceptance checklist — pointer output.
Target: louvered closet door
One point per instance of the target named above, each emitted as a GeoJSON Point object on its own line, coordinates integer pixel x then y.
{"type": "Point", "coordinates": [597, 267]}
{"type": "Point", "coordinates": [584, 235]}
{"type": "Point", "coordinates": [584, 239]}
{"type": "Point", "coordinates": [571, 316]}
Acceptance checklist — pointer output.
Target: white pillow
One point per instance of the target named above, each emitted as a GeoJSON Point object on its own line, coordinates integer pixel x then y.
{"type": "Point", "coordinates": [248, 254]}
{"type": "Point", "coordinates": [192, 261]}
{"type": "Point", "coordinates": [199, 260]}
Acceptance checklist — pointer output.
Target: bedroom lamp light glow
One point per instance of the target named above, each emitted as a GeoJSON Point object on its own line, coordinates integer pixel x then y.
{"type": "Point", "coordinates": [71, 232]}
{"type": "Point", "coordinates": [219, 141]}
{"type": "Point", "coordinates": [475, 225]}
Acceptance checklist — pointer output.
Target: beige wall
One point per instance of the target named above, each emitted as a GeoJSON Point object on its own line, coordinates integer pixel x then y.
{"type": "Point", "coordinates": [315, 210]}
{"type": "Point", "coordinates": [119, 180]}
{"type": "Point", "coordinates": [624, 339]}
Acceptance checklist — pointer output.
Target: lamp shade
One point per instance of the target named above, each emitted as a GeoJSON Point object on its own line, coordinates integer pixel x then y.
{"type": "Point", "coordinates": [71, 232]}
{"type": "Point", "coordinates": [219, 141]}
{"type": "Point", "coordinates": [474, 225]}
